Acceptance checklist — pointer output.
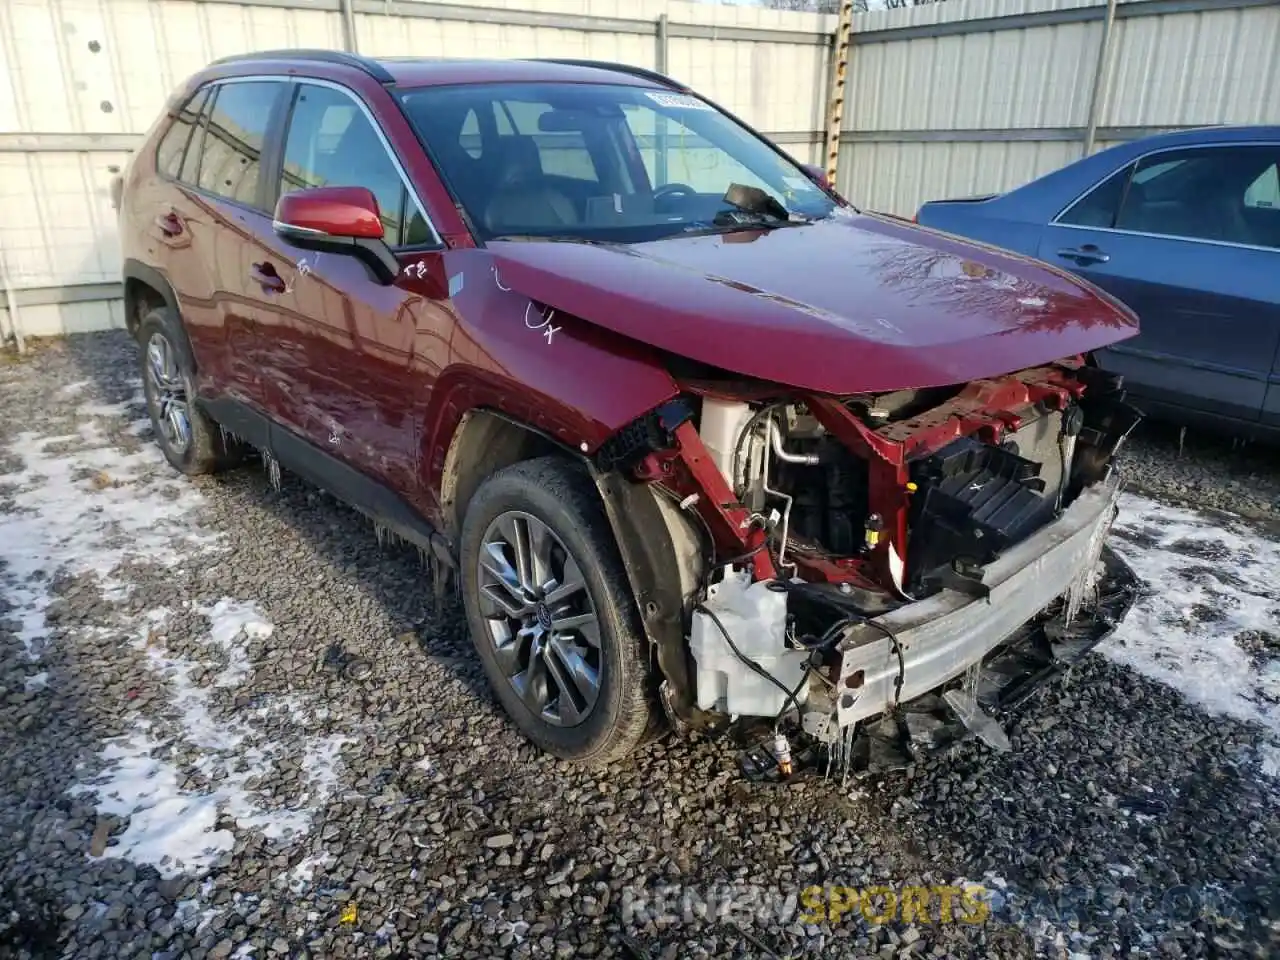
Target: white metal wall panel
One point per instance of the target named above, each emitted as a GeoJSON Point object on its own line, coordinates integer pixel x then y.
{"type": "Point", "coordinates": [53, 80]}
{"type": "Point", "coordinates": [57, 319]}
{"type": "Point", "coordinates": [677, 11]}
{"type": "Point", "coordinates": [774, 87]}
{"type": "Point", "coordinates": [58, 227]}
{"type": "Point", "coordinates": [189, 35]}
{"type": "Point", "coordinates": [898, 177]}
{"type": "Point", "coordinates": [56, 81]}
{"type": "Point", "coordinates": [957, 10]}
{"type": "Point", "coordinates": [413, 36]}
{"type": "Point", "coordinates": [1190, 69]}
{"type": "Point", "coordinates": [1038, 77]}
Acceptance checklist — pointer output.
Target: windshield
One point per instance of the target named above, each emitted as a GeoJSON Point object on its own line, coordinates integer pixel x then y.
{"type": "Point", "coordinates": [604, 163]}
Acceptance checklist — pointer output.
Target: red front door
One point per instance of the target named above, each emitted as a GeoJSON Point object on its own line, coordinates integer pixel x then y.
{"type": "Point", "coordinates": [343, 352]}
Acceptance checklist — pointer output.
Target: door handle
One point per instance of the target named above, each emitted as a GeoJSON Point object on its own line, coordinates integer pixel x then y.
{"type": "Point", "coordinates": [266, 277]}
{"type": "Point", "coordinates": [1086, 253]}
{"type": "Point", "coordinates": [170, 224]}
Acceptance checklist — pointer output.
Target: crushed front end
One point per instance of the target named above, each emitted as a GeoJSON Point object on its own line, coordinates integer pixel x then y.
{"type": "Point", "coordinates": [874, 576]}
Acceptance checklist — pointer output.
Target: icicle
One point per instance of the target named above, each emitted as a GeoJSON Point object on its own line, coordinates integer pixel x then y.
{"type": "Point", "coordinates": [971, 681]}
{"type": "Point", "coordinates": [380, 532]}
{"type": "Point", "coordinates": [230, 438]}
{"type": "Point", "coordinates": [1182, 439]}
{"type": "Point", "coordinates": [438, 577]}
{"type": "Point", "coordinates": [846, 753]}
{"type": "Point", "coordinates": [273, 470]}
{"type": "Point", "coordinates": [1082, 589]}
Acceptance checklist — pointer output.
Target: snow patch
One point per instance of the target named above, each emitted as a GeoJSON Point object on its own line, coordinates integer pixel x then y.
{"type": "Point", "coordinates": [426, 766]}
{"type": "Point", "coordinates": [112, 411]}
{"type": "Point", "coordinates": [87, 511]}
{"type": "Point", "coordinates": [1270, 756]}
{"type": "Point", "coordinates": [36, 682]}
{"type": "Point", "coordinates": [1208, 620]}
{"type": "Point", "coordinates": [230, 621]}
{"type": "Point", "coordinates": [122, 409]}
{"type": "Point", "coordinates": [71, 389]}
{"type": "Point", "coordinates": [303, 875]}
{"type": "Point", "coordinates": [183, 781]}
{"type": "Point", "coordinates": [176, 829]}
{"type": "Point", "coordinates": [168, 828]}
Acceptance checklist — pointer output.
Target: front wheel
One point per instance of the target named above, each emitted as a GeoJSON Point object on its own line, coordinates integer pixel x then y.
{"type": "Point", "coordinates": [551, 612]}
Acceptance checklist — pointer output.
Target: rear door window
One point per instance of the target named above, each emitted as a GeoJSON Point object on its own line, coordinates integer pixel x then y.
{"type": "Point", "coordinates": [1201, 193]}
{"type": "Point", "coordinates": [231, 158]}
{"type": "Point", "coordinates": [191, 160]}
{"type": "Point", "coordinates": [1098, 207]}
{"type": "Point", "coordinates": [1264, 193]}
{"type": "Point", "coordinates": [173, 145]}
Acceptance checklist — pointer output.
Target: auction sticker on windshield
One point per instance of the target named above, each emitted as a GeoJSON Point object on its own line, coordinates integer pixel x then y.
{"type": "Point", "coordinates": [799, 183]}
{"type": "Point", "coordinates": [680, 101]}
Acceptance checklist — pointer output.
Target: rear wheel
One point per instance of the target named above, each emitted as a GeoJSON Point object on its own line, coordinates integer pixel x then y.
{"type": "Point", "coordinates": [551, 612]}
{"type": "Point", "coordinates": [188, 437]}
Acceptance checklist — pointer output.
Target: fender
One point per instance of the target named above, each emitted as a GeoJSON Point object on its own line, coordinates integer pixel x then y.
{"type": "Point", "coordinates": [573, 387]}
{"type": "Point", "coordinates": [569, 379]}
{"type": "Point", "coordinates": [155, 280]}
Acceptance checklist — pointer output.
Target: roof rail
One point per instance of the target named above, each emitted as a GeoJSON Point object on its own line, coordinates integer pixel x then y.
{"type": "Point", "coordinates": [336, 57]}
{"type": "Point", "coordinates": [617, 68]}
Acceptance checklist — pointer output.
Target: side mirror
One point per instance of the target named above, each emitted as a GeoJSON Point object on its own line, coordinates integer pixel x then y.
{"type": "Point", "coordinates": [337, 220]}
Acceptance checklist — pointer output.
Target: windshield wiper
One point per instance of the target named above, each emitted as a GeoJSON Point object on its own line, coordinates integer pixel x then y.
{"type": "Point", "coordinates": [544, 238]}
{"type": "Point", "coordinates": [754, 218]}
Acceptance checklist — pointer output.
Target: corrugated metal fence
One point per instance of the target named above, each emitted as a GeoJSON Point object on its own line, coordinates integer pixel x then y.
{"type": "Point", "coordinates": [977, 96]}
{"type": "Point", "coordinates": [963, 97]}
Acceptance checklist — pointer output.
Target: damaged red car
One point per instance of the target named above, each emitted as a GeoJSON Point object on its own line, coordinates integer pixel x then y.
{"type": "Point", "coordinates": [700, 444]}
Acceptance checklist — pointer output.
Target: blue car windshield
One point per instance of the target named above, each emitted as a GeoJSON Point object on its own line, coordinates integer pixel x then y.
{"type": "Point", "coordinates": [604, 162]}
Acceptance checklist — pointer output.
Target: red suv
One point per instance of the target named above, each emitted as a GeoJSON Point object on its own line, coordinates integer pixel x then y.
{"type": "Point", "coordinates": [700, 442]}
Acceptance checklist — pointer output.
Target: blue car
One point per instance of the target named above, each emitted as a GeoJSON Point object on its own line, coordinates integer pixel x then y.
{"type": "Point", "coordinates": [1183, 227]}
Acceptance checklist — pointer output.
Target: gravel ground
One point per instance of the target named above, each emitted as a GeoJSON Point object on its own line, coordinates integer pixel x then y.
{"type": "Point", "coordinates": [1205, 469]}
{"type": "Point", "coordinates": [232, 724]}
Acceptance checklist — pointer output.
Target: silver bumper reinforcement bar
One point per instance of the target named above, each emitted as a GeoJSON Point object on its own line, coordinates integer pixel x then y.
{"type": "Point", "coordinates": [944, 635]}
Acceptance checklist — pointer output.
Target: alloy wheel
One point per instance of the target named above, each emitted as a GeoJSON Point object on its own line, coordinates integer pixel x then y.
{"type": "Point", "coordinates": [169, 394]}
{"type": "Point", "coordinates": [540, 618]}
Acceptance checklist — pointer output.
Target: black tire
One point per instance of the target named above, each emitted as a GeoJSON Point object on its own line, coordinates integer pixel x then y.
{"type": "Point", "coordinates": [206, 450]}
{"type": "Point", "coordinates": [563, 498]}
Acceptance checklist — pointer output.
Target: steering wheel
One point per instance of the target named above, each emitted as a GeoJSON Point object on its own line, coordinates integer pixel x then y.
{"type": "Point", "coordinates": [671, 190]}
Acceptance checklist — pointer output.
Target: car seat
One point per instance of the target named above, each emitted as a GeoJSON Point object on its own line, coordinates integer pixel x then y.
{"type": "Point", "coordinates": [522, 196]}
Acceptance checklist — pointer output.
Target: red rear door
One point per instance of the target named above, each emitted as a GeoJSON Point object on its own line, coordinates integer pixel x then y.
{"type": "Point", "coordinates": [224, 166]}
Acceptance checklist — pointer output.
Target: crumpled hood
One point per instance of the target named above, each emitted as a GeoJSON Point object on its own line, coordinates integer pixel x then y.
{"type": "Point", "coordinates": [853, 303]}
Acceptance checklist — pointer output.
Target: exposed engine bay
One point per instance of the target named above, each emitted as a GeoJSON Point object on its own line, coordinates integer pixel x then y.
{"type": "Point", "coordinates": [875, 576]}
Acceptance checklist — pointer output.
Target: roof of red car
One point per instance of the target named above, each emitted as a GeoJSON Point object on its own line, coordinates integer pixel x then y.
{"type": "Point", "coordinates": [433, 71]}
{"type": "Point", "coordinates": [427, 72]}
